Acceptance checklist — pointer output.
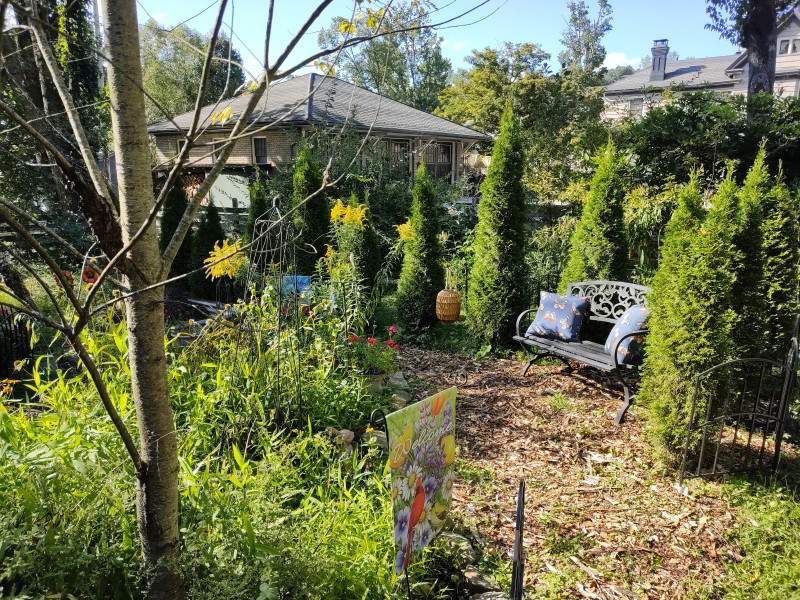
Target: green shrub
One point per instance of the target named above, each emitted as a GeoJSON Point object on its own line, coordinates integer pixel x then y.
{"type": "Point", "coordinates": [422, 276]}
{"type": "Point", "coordinates": [356, 241]}
{"type": "Point", "coordinates": [548, 255]}
{"type": "Point", "coordinates": [174, 206]}
{"type": "Point", "coordinates": [259, 204]}
{"type": "Point", "coordinates": [749, 300]}
{"type": "Point", "coordinates": [209, 232]}
{"type": "Point", "coordinates": [781, 238]}
{"type": "Point", "coordinates": [599, 249]}
{"type": "Point", "coordinates": [311, 218]}
{"type": "Point", "coordinates": [498, 283]}
{"type": "Point", "coordinates": [691, 317]}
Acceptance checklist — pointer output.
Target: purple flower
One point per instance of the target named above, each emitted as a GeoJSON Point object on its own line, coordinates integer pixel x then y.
{"type": "Point", "coordinates": [430, 485]}
{"type": "Point", "coordinates": [399, 562]}
{"type": "Point", "coordinates": [425, 535]}
{"type": "Point", "coordinates": [401, 526]}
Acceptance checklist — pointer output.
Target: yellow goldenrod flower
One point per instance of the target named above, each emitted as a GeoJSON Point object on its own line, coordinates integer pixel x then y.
{"type": "Point", "coordinates": [404, 231]}
{"type": "Point", "coordinates": [227, 267]}
{"type": "Point", "coordinates": [356, 215]}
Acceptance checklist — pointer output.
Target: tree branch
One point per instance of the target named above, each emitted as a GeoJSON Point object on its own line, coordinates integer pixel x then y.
{"type": "Point", "coordinates": [365, 38]}
{"type": "Point", "coordinates": [298, 36]}
{"type": "Point", "coordinates": [104, 225]}
{"type": "Point", "coordinates": [72, 114]}
{"type": "Point", "coordinates": [176, 169]}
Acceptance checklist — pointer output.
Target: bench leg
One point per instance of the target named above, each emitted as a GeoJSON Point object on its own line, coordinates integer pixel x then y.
{"type": "Point", "coordinates": [626, 402]}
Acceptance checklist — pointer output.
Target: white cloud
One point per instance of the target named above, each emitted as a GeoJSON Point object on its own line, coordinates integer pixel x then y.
{"type": "Point", "coordinates": [445, 43]}
{"type": "Point", "coordinates": [457, 46]}
{"type": "Point", "coordinates": [159, 17]}
{"type": "Point", "coordinates": [617, 59]}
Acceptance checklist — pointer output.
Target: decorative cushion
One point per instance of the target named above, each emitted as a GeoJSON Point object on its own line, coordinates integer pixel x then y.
{"type": "Point", "coordinates": [633, 319]}
{"type": "Point", "coordinates": [559, 317]}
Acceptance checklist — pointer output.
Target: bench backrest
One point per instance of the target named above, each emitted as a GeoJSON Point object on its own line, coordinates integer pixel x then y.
{"type": "Point", "coordinates": [609, 299]}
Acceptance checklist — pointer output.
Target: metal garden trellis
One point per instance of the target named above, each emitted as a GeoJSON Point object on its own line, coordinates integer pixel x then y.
{"type": "Point", "coordinates": [746, 403]}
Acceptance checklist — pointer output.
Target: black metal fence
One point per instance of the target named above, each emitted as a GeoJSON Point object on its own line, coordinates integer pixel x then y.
{"type": "Point", "coordinates": [15, 341]}
{"type": "Point", "coordinates": [739, 415]}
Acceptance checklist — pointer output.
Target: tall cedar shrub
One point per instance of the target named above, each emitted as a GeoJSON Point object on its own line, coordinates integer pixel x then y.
{"type": "Point", "coordinates": [174, 206]}
{"type": "Point", "coordinates": [259, 203]}
{"type": "Point", "coordinates": [781, 285]}
{"type": "Point", "coordinates": [358, 243]}
{"type": "Point", "coordinates": [209, 232]}
{"type": "Point", "coordinates": [750, 303]}
{"type": "Point", "coordinates": [311, 218]}
{"type": "Point", "coordinates": [691, 317]}
{"type": "Point", "coordinates": [498, 289]}
{"type": "Point", "coordinates": [422, 275]}
{"type": "Point", "coordinates": [598, 249]}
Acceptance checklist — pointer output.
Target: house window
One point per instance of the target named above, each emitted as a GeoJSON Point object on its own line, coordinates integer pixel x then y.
{"type": "Point", "coordinates": [438, 159]}
{"type": "Point", "coordinates": [635, 107]}
{"type": "Point", "coordinates": [788, 46]}
{"type": "Point", "coordinates": [219, 146]}
{"type": "Point", "coordinates": [180, 144]}
{"type": "Point", "coordinates": [260, 150]}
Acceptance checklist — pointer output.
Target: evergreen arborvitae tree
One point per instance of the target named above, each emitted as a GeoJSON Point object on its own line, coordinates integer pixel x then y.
{"type": "Point", "coordinates": [259, 203]}
{"type": "Point", "coordinates": [498, 288]}
{"type": "Point", "coordinates": [174, 207]}
{"type": "Point", "coordinates": [750, 302]}
{"type": "Point", "coordinates": [208, 233]}
{"type": "Point", "coordinates": [422, 275]}
{"type": "Point", "coordinates": [598, 248]}
{"type": "Point", "coordinates": [691, 316]}
{"type": "Point", "coordinates": [781, 285]}
{"type": "Point", "coordinates": [311, 219]}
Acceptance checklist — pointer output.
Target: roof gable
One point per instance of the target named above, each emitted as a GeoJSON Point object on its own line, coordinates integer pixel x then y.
{"type": "Point", "coordinates": [793, 18]}
{"type": "Point", "coordinates": [314, 99]}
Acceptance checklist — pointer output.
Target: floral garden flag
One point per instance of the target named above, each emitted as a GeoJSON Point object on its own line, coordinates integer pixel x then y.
{"type": "Point", "coordinates": [422, 442]}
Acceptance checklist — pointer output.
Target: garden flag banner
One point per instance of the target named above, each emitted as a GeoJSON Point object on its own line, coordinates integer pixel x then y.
{"type": "Point", "coordinates": [422, 443]}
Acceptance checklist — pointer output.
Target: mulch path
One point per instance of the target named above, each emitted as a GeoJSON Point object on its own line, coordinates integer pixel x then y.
{"type": "Point", "coordinates": [600, 521]}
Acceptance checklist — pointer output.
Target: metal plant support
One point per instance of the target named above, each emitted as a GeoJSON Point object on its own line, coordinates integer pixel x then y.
{"type": "Point", "coordinates": [15, 341]}
{"type": "Point", "coordinates": [518, 564]}
{"type": "Point", "coordinates": [739, 413]}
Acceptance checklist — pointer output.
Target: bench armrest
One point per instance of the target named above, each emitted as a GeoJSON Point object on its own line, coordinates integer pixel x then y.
{"type": "Point", "coordinates": [642, 332]}
{"type": "Point", "coordinates": [519, 319]}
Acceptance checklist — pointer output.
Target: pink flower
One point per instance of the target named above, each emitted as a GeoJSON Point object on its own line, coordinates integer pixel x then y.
{"type": "Point", "coordinates": [372, 341]}
{"type": "Point", "coordinates": [392, 344]}
{"type": "Point", "coordinates": [353, 338]}
{"type": "Point", "coordinates": [392, 329]}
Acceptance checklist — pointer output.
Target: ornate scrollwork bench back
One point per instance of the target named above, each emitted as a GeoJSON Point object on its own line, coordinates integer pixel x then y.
{"type": "Point", "coordinates": [609, 299]}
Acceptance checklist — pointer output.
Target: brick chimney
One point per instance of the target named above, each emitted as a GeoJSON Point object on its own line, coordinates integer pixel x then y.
{"type": "Point", "coordinates": [659, 50]}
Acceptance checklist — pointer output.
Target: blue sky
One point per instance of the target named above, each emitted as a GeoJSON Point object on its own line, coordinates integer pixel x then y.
{"type": "Point", "coordinates": [636, 24]}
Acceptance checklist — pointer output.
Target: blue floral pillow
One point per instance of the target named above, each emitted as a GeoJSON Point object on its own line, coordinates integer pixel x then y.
{"type": "Point", "coordinates": [633, 319]}
{"type": "Point", "coordinates": [559, 317]}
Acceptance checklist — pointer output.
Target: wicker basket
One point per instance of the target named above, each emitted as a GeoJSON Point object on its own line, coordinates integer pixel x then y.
{"type": "Point", "coordinates": [448, 306]}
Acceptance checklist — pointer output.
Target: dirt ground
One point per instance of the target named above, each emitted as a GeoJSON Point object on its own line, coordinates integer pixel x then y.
{"type": "Point", "coordinates": [601, 521]}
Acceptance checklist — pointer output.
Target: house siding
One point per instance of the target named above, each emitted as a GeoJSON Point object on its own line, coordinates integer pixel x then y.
{"type": "Point", "coordinates": [279, 144]}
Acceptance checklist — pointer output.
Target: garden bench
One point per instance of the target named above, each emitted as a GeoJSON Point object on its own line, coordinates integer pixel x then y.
{"type": "Point", "coordinates": [608, 301]}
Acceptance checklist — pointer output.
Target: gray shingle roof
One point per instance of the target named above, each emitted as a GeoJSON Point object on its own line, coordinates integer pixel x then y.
{"type": "Point", "coordinates": [692, 72]}
{"type": "Point", "coordinates": [332, 102]}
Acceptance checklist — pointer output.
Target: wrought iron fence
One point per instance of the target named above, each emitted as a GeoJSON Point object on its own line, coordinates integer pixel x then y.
{"type": "Point", "coordinates": [738, 417]}
{"type": "Point", "coordinates": [15, 341]}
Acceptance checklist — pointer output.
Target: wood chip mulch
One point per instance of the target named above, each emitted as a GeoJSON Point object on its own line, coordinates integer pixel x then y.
{"type": "Point", "coordinates": [601, 521]}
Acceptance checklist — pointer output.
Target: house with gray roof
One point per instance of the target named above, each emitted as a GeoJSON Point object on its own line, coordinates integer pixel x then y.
{"type": "Point", "coordinates": [634, 94]}
{"type": "Point", "coordinates": [292, 109]}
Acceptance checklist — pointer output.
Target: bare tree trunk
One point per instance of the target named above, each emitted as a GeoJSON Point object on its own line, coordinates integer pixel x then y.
{"type": "Point", "coordinates": [157, 486]}
{"type": "Point", "coordinates": [760, 38]}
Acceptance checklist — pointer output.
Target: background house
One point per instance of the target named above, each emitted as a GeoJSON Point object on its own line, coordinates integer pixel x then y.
{"type": "Point", "coordinates": [635, 94]}
{"type": "Point", "coordinates": [291, 109]}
